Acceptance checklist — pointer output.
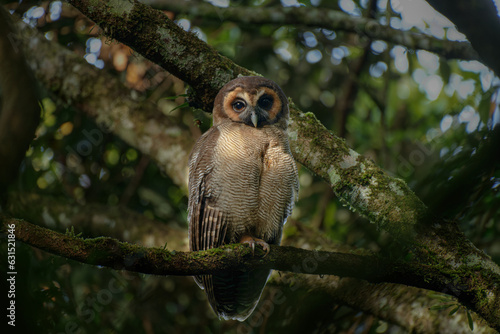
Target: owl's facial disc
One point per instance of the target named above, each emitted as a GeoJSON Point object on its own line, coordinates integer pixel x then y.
{"type": "Point", "coordinates": [253, 110]}
{"type": "Point", "coordinates": [239, 97]}
{"type": "Point", "coordinates": [255, 107]}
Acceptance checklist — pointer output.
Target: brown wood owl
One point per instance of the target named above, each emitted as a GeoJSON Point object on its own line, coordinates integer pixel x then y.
{"type": "Point", "coordinates": [243, 183]}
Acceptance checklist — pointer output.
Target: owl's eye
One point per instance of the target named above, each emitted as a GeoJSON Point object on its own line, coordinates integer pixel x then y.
{"type": "Point", "coordinates": [239, 106]}
{"type": "Point", "coordinates": [266, 102]}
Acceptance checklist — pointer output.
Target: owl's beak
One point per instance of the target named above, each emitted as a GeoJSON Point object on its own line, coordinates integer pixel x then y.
{"type": "Point", "coordinates": [254, 118]}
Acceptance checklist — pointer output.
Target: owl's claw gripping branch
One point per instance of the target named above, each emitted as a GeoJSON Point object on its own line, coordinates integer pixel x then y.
{"type": "Point", "coordinates": [246, 239]}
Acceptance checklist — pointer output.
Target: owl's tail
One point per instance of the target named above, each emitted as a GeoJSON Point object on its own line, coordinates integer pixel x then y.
{"type": "Point", "coordinates": [234, 295]}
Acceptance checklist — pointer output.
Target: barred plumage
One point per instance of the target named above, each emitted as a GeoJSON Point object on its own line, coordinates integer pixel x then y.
{"type": "Point", "coordinates": [242, 186]}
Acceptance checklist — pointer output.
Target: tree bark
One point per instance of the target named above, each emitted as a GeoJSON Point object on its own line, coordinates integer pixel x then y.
{"type": "Point", "coordinates": [113, 106]}
{"type": "Point", "coordinates": [320, 18]}
{"type": "Point", "coordinates": [479, 21]}
{"type": "Point", "coordinates": [415, 310]}
{"type": "Point", "coordinates": [109, 252]}
{"type": "Point", "coordinates": [19, 109]}
{"type": "Point", "coordinates": [118, 255]}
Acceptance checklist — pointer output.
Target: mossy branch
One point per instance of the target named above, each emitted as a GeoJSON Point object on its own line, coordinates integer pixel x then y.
{"type": "Point", "coordinates": [109, 252]}
{"type": "Point", "coordinates": [118, 255]}
{"type": "Point", "coordinates": [99, 219]}
{"type": "Point", "coordinates": [321, 18]}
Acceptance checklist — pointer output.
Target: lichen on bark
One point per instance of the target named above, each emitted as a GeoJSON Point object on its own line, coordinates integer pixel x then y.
{"type": "Point", "coordinates": [356, 180]}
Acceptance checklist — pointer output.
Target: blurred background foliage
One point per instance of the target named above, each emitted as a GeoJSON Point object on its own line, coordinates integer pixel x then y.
{"type": "Point", "coordinates": [421, 117]}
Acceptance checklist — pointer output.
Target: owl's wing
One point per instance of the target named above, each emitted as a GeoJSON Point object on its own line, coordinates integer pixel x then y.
{"type": "Point", "coordinates": [207, 224]}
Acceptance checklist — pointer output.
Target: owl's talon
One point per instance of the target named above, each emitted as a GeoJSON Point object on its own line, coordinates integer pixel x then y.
{"type": "Point", "coordinates": [266, 248]}
{"type": "Point", "coordinates": [252, 241]}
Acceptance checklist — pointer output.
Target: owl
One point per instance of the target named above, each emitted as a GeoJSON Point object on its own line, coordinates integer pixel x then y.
{"type": "Point", "coordinates": [243, 184]}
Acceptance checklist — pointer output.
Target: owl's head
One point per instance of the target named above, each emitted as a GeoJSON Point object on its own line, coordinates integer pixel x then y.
{"type": "Point", "coordinates": [254, 101]}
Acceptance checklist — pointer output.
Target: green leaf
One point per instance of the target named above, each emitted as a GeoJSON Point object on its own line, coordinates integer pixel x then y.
{"type": "Point", "coordinates": [452, 312]}
{"type": "Point", "coordinates": [184, 105]}
{"type": "Point", "coordinates": [441, 307]}
{"type": "Point", "coordinates": [442, 297]}
{"type": "Point", "coordinates": [471, 323]}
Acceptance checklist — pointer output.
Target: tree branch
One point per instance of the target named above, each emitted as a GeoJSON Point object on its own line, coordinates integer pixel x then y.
{"type": "Point", "coordinates": [118, 255]}
{"type": "Point", "coordinates": [474, 19]}
{"type": "Point", "coordinates": [94, 219]}
{"type": "Point", "coordinates": [356, 293]}
{"type": "Point", "coordinates": [320, 18]}
{"type": "Point", "coordinates": [103, 97]}
{"type": "Point", "coordinates": [19, 109]}
{"type": "Point", "coordinates": [415, 310]}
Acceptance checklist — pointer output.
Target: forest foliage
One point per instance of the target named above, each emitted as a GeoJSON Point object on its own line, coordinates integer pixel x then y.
{"type": "Point", "coordinates": [419, 115]}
